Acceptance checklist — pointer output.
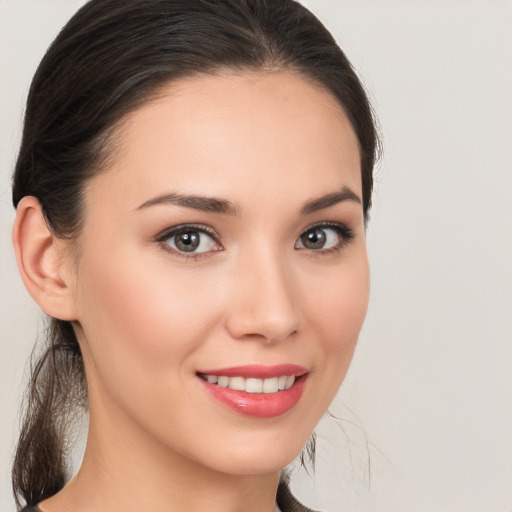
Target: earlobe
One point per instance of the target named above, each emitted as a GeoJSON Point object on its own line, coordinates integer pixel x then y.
{"type": "Point", "coordinates": [43, 269]}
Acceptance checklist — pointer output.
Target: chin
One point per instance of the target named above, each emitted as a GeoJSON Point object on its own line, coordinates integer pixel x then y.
{"type": "Point", "coordinates": [258, 457]}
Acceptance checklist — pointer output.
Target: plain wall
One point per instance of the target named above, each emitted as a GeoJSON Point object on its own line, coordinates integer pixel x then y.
{"type": "Point", "coordinates": [429, 394]}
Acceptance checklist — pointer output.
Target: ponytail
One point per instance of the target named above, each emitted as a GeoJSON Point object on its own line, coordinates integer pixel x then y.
{"type": "Point", "coordinates": [55, 393]}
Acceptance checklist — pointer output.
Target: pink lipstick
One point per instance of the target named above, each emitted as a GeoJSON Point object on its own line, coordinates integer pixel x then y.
{"type": "Point", "coordinates": [256, 390]}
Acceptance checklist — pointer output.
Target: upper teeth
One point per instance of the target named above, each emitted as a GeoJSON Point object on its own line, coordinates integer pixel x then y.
{"type": "Point", "coordinates": [251, 385]}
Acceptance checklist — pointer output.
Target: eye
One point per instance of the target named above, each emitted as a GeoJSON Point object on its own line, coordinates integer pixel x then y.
{"type": "Point", "coordinates": [324, 237]}
{"type": "Point", "coordinates": [190, 240]}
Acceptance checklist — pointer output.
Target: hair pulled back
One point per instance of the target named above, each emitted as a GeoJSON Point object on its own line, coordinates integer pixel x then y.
{"type": "Point", "coordinates": [111, 58]}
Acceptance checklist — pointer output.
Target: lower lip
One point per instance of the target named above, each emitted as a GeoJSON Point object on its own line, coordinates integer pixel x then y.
{"type": "Point", "coordinates": [259, 405]}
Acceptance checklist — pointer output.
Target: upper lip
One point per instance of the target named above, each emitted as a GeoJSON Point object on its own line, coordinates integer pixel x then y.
{"type": "Point", "coordinates": [258, 371]}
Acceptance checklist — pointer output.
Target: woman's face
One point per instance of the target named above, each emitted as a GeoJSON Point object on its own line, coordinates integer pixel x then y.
{"type": "Point", "coordinates": [225, 242]}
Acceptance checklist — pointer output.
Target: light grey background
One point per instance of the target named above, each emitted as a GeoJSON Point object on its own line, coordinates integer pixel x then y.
{"type": "Point", "coordinates": [430, 387]}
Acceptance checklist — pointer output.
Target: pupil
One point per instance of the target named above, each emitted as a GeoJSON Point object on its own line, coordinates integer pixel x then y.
{"type": "Point", "coordinates": [188, 241]}
{"type": "Point", "coordinates": [314, 239]}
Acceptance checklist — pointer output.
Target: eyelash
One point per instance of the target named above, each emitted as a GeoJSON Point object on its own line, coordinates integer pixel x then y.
{"type": "Point", "coordinates": [201, 228]}
{"type": "Point", "coordinates": [345, 234]}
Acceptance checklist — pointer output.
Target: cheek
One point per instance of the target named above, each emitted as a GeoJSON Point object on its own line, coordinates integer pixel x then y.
{"type": "Point", "coordinates": [338, 303]}
{"type": "Point", "coordinates": [336, 314]}
{"type": "Point", "coordinates": [140, 317]}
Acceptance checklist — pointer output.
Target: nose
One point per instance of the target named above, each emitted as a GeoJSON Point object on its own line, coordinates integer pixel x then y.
{"type": "Point", "coordinates": [263, 305]}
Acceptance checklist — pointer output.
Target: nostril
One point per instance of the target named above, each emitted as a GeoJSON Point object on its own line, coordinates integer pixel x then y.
{"type": "Point", "coordinates": [263, 306]}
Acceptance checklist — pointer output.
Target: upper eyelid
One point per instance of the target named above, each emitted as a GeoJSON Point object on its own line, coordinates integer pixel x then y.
{"type": "Point", "coordinates": [326, 223]}
{"type": "Point", "coordinates": [330, 224]}
{"type": "Point", "coordinates": [168, 232]}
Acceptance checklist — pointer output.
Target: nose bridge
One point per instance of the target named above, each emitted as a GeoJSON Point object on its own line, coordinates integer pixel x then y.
{"type": "Point", "coordinates": [263, 303]}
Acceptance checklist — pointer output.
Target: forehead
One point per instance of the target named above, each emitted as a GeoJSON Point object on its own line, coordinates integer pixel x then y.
{"type": "Point", "coordinates": [248, 134]}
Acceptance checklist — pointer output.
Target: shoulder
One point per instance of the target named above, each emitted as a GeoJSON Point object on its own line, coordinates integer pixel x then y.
{"type": "Point", "coordinates": [287, 502]}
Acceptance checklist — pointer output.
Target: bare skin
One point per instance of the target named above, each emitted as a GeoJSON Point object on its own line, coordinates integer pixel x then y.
{"type": "Point", "coordinates": [150, 316]}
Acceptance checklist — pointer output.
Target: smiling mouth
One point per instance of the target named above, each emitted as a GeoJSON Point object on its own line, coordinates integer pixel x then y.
{"type": "Point", "coordinates": [262, 391]}
{"type": "Point", "coordinates": [250, 384]}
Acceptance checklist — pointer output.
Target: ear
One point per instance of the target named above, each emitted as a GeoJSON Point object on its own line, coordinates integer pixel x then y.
{"type": "Point", "coordinates": [44, 268]}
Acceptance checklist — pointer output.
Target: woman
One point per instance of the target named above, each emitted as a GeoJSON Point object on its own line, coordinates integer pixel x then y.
{"type": "Point", "coordinates": [191, 193]}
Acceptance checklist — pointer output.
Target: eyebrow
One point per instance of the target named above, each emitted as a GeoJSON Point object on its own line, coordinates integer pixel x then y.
{"type": "Point", "coordinates": [345, 194]}
{"type": "Point", "coordinates": [207, 204]}
{"type": "Point", "coordinates": [223, 206]}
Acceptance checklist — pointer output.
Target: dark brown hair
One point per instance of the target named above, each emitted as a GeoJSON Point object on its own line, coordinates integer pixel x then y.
{"type": "Point", "coordinates": [112, 57]}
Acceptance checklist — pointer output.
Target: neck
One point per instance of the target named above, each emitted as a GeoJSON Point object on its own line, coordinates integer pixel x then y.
{"type": "Point", "coordinates": [126, 470]}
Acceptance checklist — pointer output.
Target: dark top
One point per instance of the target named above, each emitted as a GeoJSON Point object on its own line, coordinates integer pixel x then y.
{"type": "Point", "coordinates": [285, 501]}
